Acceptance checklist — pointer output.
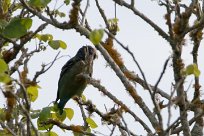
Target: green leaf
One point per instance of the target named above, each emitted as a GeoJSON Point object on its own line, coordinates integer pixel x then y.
{"type": "Point", "coordinates": [192, 69]}
{"type": "Point", "coordinates": [39, 3]}
{"type": "Point", "coordinates": [26, 22]}
{"type": "Point", "coordinates": [5, 5]}
{"type": "Point", "coordinates": [17, 27]}
{"type": "Point", "coordinates": [32, 92]}
{"type": "Point", "coordinates": [91, 122]}
{"type": "Point", "coordinates": [56, 44]}
{"type": "Point", "coordinates": [44, 37]}
{"type": "Point", "coordinates": [96, 36]}
{"type": "Point", "coordinates": [60, 117]}
{"type": "Point", "coordinates": [60, 14]}
{"type": "Point", "coordinates": [113, 21]}
{"type": "Point", "coordinates": [67, 2]}
{"type": "Point", "coordinates": [49, 133]}
{"type": "Point", "coordinates": [63, 45]}
{"type": "Point", "coordinates": [45, 114]}
{"type": "Point", "coordinates": [3, 66]}
{"type": "Point", "coordinates": [55, 107]}
{"type": "Point", "coordinates": [113, 24]}
{"type": "Point", "coordinates": [69, 113]}
{"type": "Point", "coordinates": [5, 78]}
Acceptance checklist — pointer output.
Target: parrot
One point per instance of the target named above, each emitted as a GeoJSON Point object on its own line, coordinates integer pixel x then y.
{"type": "Point", "coordinates": [70, 82]}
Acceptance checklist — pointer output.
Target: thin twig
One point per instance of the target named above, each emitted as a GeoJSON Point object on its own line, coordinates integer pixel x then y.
{"type": "Point", "coordinates": [168, 18]}
{"type": "Point", "coordinates": [83, 115]}
{"type": "Point", "coordinates": [169, 107]}
{"type": "Point", "coordinates": [170, 126]}
{"type": "Point", "coordinates": [125, 125]}
{"type": "Point", "coordinates": [43, 70]}
{"type": "Point", "coordinates": [146, 19]}
{"type": "Point", "coordinates": [161, 75]}
{"type": "Point", "coordinates": [85, 11]}
{"type": "Point", "coordinates": [102, 14]}
{"type": "Point", "coordinates": [113, 129]}
{"type": "Point", "coordinates": [25, 95]}
{"type": "Point", "coordinates": [115, 6]}
{"type": "Point", "coordinates": [6, 127]}
{"type": "Point", "coordinates": [191, 121]}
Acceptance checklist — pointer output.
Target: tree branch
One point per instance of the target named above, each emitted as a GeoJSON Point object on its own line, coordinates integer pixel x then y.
{"type": "Point", "coordinates": [101, 88]}
{"type": "Point", "coordinates": [64, 126]}
{"type": "Point", "coordinates": [146, 19]}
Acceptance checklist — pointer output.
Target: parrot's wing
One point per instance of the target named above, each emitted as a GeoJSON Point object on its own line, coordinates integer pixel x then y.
{"type": "Point", "coordinates": [66, 67]}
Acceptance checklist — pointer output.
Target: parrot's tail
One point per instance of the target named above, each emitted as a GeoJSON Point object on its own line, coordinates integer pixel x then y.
{"type": "Point", "coordinates": [61, 105]}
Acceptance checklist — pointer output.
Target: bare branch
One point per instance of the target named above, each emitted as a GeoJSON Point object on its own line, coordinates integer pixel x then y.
{"type": "Point", "coordinates": [191, 121]}
{"type": "Point", "coordinates": [160, 77]}
{"type": "Point", "coordinates": [85, 11]}
{"type": "Point", "coordinates": [43, 70]}
{"type": "Point", "coordinates": [110, 117]}
{"type": "Point", "coordinates": [101, 88]}
{"type": "Point", "coordinates": [112, 131]}
{"type": "Point", "coordinates": [125, 124]}
{"type": "Point", "coordinates": [83, 114]}
{"type": "Point", "coordinates": [146, 19]}
{"type": "Point", "coordinates": [136, 77]}
{"type": "Point", "coordinates": [102, 14]}
{"type": "Point", "coordinates": [64, 126]}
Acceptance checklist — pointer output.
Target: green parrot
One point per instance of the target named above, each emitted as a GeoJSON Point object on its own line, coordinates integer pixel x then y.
{"type": "Point", "coordinates": [70, 84]}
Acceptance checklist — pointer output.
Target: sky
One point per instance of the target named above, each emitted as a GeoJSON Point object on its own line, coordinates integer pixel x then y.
{"type": "Point", "coordinates": [150, 50]}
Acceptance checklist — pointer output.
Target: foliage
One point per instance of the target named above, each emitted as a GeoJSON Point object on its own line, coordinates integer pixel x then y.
{"type": "Point", "coordinates": [17, 27]}
{"type": "Point", "coordinates": [5, 78]}
{"type": "Point", "coordinates": [192, 70]}
{"type": "Point", "coordinates": [69, 113]}
{"type": "Point", "coordinates": [91, 122]}
{"type": "Point", "coordinates": [96, 36]}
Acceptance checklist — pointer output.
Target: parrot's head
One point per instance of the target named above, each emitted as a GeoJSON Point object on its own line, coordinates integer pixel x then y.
{"type": "Point", "coordinates": [87, 52]}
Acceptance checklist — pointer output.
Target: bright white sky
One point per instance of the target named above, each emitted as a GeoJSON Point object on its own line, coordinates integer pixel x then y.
{"type": "Point", "coordinates": [149, 48]}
